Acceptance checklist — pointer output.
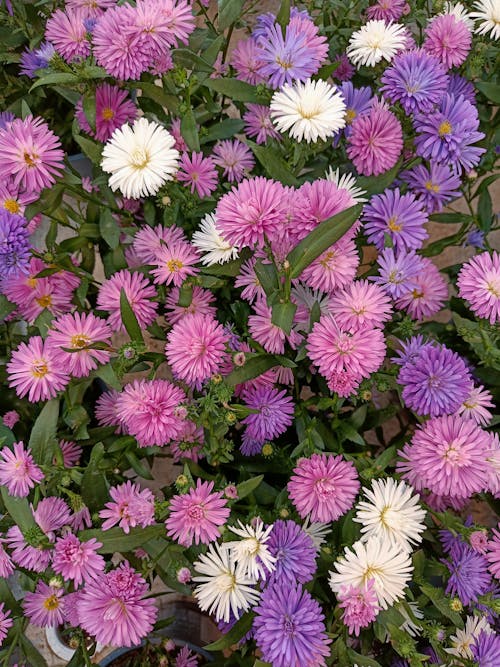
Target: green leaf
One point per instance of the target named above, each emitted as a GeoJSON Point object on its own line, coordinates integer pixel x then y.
{"type": "Point", "coordinates": [239, 630]}
{"type": "Point", "coordinates": [25, 110]}
{"type": "Point", "coordinates": [92, 149]}
{"type": "Point", "coordinates": [255, 365]}
{"type": "Point", "coordinates": [109, 229]}
{"type": "Point", "coordinates": [283, 17]}
{"type": "Point", "coordinates": [93, 72]}
{"type": "Point", "coordinates": [373, 185]}
{"type": "Point", "coordinates": [190, 60]}
{"type": "Point", "coordinates": [261, 663]}
{"type": "Point", "coordinates": [35, 658]}
{"type": "Point", "coordinates": [108, 375]}
{"type": "Point", "coordinates": [361, 660]}
{"type": "Point", "coordinates": [6, 436]}
{"type": "Point", "coordinates": [158, 95]}
{"type": "Point", "coordinates": [275, 166]}
{"type": "Point", "coordinates": [129, 319]}
{"type": "Point", "coordinates": [223, 130]}
{"type": "Point", "coordinates": [89, 109]}
{"type": "Point", "coordinates": [282, 315]}
{"type": "Point", "coordinates": [189, 130]}
{"type": "Point", "coordinates": [485, 210]}
{"type": "Point", "coordinates": [268, 277]}
{"type": "Point", "coordinates": [245, 488]}
{"type": "Point", "coordinates": [229, 12]}
{"type": "Point", "coordinates": [94, 486]}
{"type": "Point", "coordinates": [138, 466]}
{"type": "Point", "coordinates": [442, 603]}
{"type": "Point", "coordinates": [489, 90]}
{"type": "Point", "coordinates": [437, 247]}
{"type": "Point", "coordinates": [43, 433]}
{"type": "Point", "coordinates": [6, 307]}
{"type": "Point", "coordinates": [451, 218]}
{"type": "Point", "coordinates": [321, 238]}
{"type": "Point", "coordinates": [239, 91]}
{"type": "Point", "coordinates": [54, 78]}
{"type": "Point", "coordinates": [19, 510]}
{"type": "Point", "coordinates": [115, 539]}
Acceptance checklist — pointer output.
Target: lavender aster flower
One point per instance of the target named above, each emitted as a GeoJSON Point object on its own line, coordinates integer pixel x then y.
{"type": "Point", "coordinates": [274, 416]}
{"type": "Point", "coordinates": [289, 628]}
{"type": "Point", "coordinates": [39, 58]}
{"type": "Point", "coordinates": [410, 350]}
{"type": "Point", "coordinates": [416, 80]}
{"type": "Point", "coordinates": [458, 85]}
{"type": "Point", "coordinates": [434, 185]}
{"type": "Point", "coordinates": [469, 573]}
{"type": "Point", "coordinates": [475, 238]}
{"type": "Point", "coordinates": [294, 552]}
{"type": "Point", "coordinates": [436, 383]}
{"type": "Point", "coordinates": [486, 649]}
{"type": "Point", "coordinates": [358, 101]}
{"type": "Point", "coordinates": [396, 271]}
{"type": "Point", "coordinates": [14, 244]}
{"type": "Point", "coordinates": [6, 117]}
{"type": "Point", "coordinates": [402, 217]}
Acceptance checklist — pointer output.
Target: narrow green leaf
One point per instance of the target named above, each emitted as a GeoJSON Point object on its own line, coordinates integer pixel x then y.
{"type": "Point", "coordinates": [6, 307]}
{"type": "Point", "coordinates": [442, 603]}
{"type": "Point", "coordinates": [229, 12]}
{"type": "Point", "coordinates": [25, 110]}
{"type": "Point", "coordinates": [373, 185]}
{"type": "Point", "coordinates": [489, 90]}
{"type": "Point", "coordinates": [239, 630]}
{"type": "Point", "coordinates": [361, 660]}
{"type": "Point", "coordinates": [94, 486]}
{"type": "Point", "coordinates": [94, 72]}
{"type": "Point", "coordinates": [54, 78]}
{"type": "Point", "coordinates": [321, 238]}
{"type": "Point", "coordinates": [129, 319]}
{"type": "Point", "coordinates": [35, 658]}
{"type": "Point", "coordinates": [92, 149]}
{"type": "Point", "coordinates": [108, 375]}
{"type": "Point", "coordinates": [109, 229]}
{"type": "Point", "coordinates": [138, 466]}
{"type": "Point", "coordinates": [485, 210]}
{"type": "Point", "coordinates": [268, 277]}
{"type": "Point", "coordinates": [158, 95]}
{"type": "Point", "coordinates": [19, 510]}
{"type": "Point", "coordinates": [275, 166]}
{"type": "Point", "coordinates": [89, 109]}
{"type": "Point", "coordinates": [261, 663]}
{"type": "Point", "coordinates": [283, 17]}
{"type": "Point", "coordinates": [223, 130]}
{"type": "Point", "coordinates": [254, 366]}
{"type": "Point", "coordinates": [282, 315]}
{"type": "Point", "coordinates": [43, 433]}
{"type": "Point", "coordinates": [437, 247]}
{"type": "Point", "coordinates": [450, 218]}
{"type": "Point", "coordinates": [6, 436]}
{"type": "Point", "coordinates": [190, 60]}
{"type": "Point", "coordinates": [239, 91]}
{"type": "Point", "coordinates": [245, 488]}
{"type": "Point", "coordinates": [189, 130]}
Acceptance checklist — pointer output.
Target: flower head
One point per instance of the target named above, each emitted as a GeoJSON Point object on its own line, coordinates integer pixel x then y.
{"type": "Point", "coordinates": [435, 185]}
{"type": "Point", "coordinates": [66, 31]}
{"type": "Point", "coordinates": [361, 305]}
{"type": "Point", "coordinates": [44, 606]}
{"type": "Point", "coordinates": [486, 649]}
{"type": "Point", "coordinates": [34, 369]}
{"type": "Point", "coordinates": [15, 248]}
{"type": "Point", "coordinates": [18, 470]}
{"type": "Point", "coordinates": [374, 41]}
{"type": "Point", "coordinates": [387, 10]}
{"type": "Point", "coordinates": [113, 108]}
{"type": "Point", "coordinates": [129, 508]}
{"type": "Point", "coordinates": [469, 576]}
{"type": "Point", "coordinates": [175, 262]}
{"type": "Point", "coordinates": [252, 549]}
{"type": "Point", "coordinates": [479, 283]}
{"type": "Point", "coordinates": [75, 560]}
{"type": "Point", "coordinates": [274, 413]}
{"type": "Point", "coordinates": [198, 173]}
{"type": "Point", "coordinates": [488, 12]}
{"type": "Point", "coordinates": [258, 123]}
{"type": "Point", "coordinates": [449, 39]}
{"type": "Point", "coordinates": [246, 59]}
{"type": "Point", "coordinates": [294, 553]}
{"type": "Point", "coordinates": [360, 606]}
{"type": "Point", "coordinates": [427, 292]}
{"type": "Point", "coordinates": [6, 622]}
{"type": "Point", "coordinates": [138, 292]}
{"type": "Point", "coordinates": [235, 159]}
{"type": "Point", "coordinates": [476, 404]}
{"type": "Point", "coordinates": [208, 240]}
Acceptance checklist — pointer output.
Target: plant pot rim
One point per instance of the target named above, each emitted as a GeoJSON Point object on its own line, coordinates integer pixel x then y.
{"type": "Point", "coordinates": [119, 652]}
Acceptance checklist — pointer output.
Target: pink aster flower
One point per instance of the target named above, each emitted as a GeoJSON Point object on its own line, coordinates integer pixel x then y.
{"type": "Point", "coordinates": [198, 173]}
{"type": "Point", "coordinates": [70, 452]}
{"type": "Point", "coordinates": [34, 370]}
{"type": "Point", "coordinates": [360, 606]}
{"type": "Point", "coordinates": [376, 141]}
{"type": "Point", "coordinates": [333, 269]}
{"type": "Point", "coordinates": [47, 294]}
{"type": "Point", "coordinates": [234, 157]}
{"type": "Point", "coordinates": [252, 211]}
{"type": "Point", "coordinates": [106, 410]}
{"type": "Point", "coordinates": [271, 337]}
{"type": "Point", "coordinates": [258, 123]}
{"type": "Point", "coordinates": [77, 561]}
{"type": "Point", "coordinates": [196, 348]}
{"type": "Point", "coordinates": [6, 565]}
{"type": "Point", "coordinates": [315, 202]}
{"type": "Point", "coordinates": [388, 10]}
{"type": "Point", "coordinates": [479, 283]}
{"type": "Point", "coordinates": [178, 17]}
{"type": "Point", "coordinates": [90, 8]}
{"type": "Point", "coordinates": [493, 554]}
{"type": "Point", "coordinates": [138, 292]}
{"type": "Point", "coordinates": [151, 411]}
{"type": "Point", "coordinates": [176, 262]}
{"type": "Point", "coordinates": [201, 300]}
{"type": "Point", "coordinates": [175, 131]}
{"type": "Point", "coordinates": [195, 516]}
{"type": "Point", "coordinates": [79, 332]}
{"type": "Point", "coordinates": [31, 154]}
{"type": "Point", "coordinates": [44, 606]}
{"type": "Point", "coordinates": [131, 507]}
{"type": "Point", "coordinates": [6, 622]}
{"type": "Point", "coordinates": [246, 59]}
{"type": "Point", "coordinates": [36, 559]}
{"type": "Point", "coordinates": [479, 541]}
{"type": "Point", "coordinates": [449, 39]}
{"type": "Point", "coordinates": [15, 201]}
{"type": "Point", "coordinates": [10, 419]}
{"type": "Point", "coordinates": [189, 443]}
{"type": "Point", "coordinates": [323, 487]}
{"type": "Point", "coordinates": [113, 108]}
{"type": "Point", "coordinates": [362, 304]}
{"type": "Point", "coordinates": [427, 294]}
{"type": "Point", "coordinates": [114, 609]}
{"type": "Point", "coordinates": [247, 278]}
{"type": "Point", "coordinates": [51, 514]}
{"type": "Point", "coordinates": [476, 405]}
{"type": "Point", "coordinates": [66, 32]}
{"type": "Point", "coordinates": [274, 413]}
{"type": "Point", "coordinates": [150, 240]}
{"type": "Point", "coordinates": [18, 470]}
{"type": "Point", "coordinates": [448, 456]}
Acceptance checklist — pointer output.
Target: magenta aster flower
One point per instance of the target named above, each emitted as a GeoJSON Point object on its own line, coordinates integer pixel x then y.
{"type": "Point", "coordinates": [345, 71]}
{"type": "Point", "coordinates": [376, 141]}
{"type": "Point", "coordinates": [176, 261]}
{"type": "Point", "coordinates": [18, 470]}
{"type": "Point", "coordinates": [295, 554]}
{"type": "Point", "coordinates": [258, 123]}
{"type": "Point", "coordinates": [479, 283]}
{"type": "Point", "coordinates": [106, 410]}
{"type": "Point", "coordinates": [196, 348]}
{"type": "Point", "coordinates": [235, 159]}
{"type": "Point", "coordinates": [114, 609]}
{"type": "Point", "coordinates": [476, 405]}
{"type": "Point", "coordinates": [427, 294]}
{"type": "Point", "coordinates": [44, 606]}
{"type": "Point", "coordinates": [32, 558]}
{"type": "Point", "coordinates": [77, 561]}
{"type": "Point", "coordinates": [447, 455]}
{"type": "Point", "coordinates": [449, 39]}
{"type": "Point", "coordinates": [150, 240]}
{"type": "Point", "coordinates": [91, 8]}
{"type": "Point", "coordinates": [360, 305]}
{"type": "Point", "coordinates": [70, 452]}
{"type": "Point", "coordinates": [178, 17]}
{"type": "Point", "coordinates": [333, 269]}
{"type": "Point", "coordinates": [274, 416]}
{"type": "Point", "coordinates": [247, 61]}
{"type": "Point", "coordinates": [34, 370]}
{"type": "Point", "coordinates": [151, 411]}
{"type": "Point", "coordinates": [113, 109]}
{"type": "Point", "coordinates": [79, 332]}
{"type": "Point", "coordinates": [6, 565]}
{"type": "Point", "coordinates": [130, 507]}
{"type": "Point", "coordinates": [6, 622]}
{"type": "Point", "coordinates": [252, 211]}
{"type": "Point", "coordinates": [271, 337]}
{"type": "Point", "coordinates": [138, 292]}
{"type": "Point", "coordinates": [388, 10]}
{"type": "Point", "coordinates": [323, 487]}
{"type": "Point", "coordinates": [435, 185]}
{"type": "Point", "coordinates": [360, 606]}
{"type": "Point", "coordinates": [51, 514]}
{"type": "Point", "coordinates": [10, 419]}
{"type": "Point", "coordinates": [31, 154]}
{"type": "Point", "coordinates": [195, 516]}
{"type": "Point", "coordinates": [198, 173]}
{"type": "Point", "coordinates": [201, 303]}
{"type": "Point", "coordinates": [493, 554]}
{"type": "Point", "coordinates": [316, 202]}
{"type": "Point", "coordinates": [66, 32]}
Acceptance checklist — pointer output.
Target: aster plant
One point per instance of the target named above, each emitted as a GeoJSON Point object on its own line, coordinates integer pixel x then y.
{"type": "Point", "coordinates": [236, 362]}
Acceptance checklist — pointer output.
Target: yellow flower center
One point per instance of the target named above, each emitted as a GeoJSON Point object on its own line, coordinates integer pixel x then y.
{"type": "Point", "coordinates": [39, 368]}
{"type": "Point", "coordinates": [432, 187]}
{"type": "Point", "coordinates": [350, 115]}
{"type": "Point", "coordinates": [107, 113]}
{"type": "Point", "coordinates": [30, 159]}
{"type": "Point", "coordinates": [494, 288]}
{"type": "Point", "coordinates": [139, 158]}
{"type": "Point", "coordinates": [79, 340]}
{"type": "Point", "coordinates": [31, 282]}
{"type": "Point", "coordinates": [12, 206]}
{"type": "Point", "coordinates": [44, 301]}
{"type": "Point", "coordinates": [393, 225]}
{"type": "Point", "coordinates": [51, 603]}
{"type": "Point", "coordinates": [285, 64]}
{"type": "Point", "coordinates": [445, 128]}
{"type": "Point", "coordinates": [174, 265]}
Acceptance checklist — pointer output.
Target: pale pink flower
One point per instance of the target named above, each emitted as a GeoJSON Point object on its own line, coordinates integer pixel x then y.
{"type": "Point", "coordinates": [131, 507]}
{"type": "Point", "coordinates": [201, 300]}
{"type": "Point", "coordinates": [18, 470]}
{"type": "Point", "coordinates": [360, 305]}
{"type": "Point", "coordinates": [234, 157]}
{"type": "Point", "coordinates": [139, 294]}
{"type": "Point", "coordinates": [175, 262]}
{"type": "Point", "coordinates": [360, 606]}
{"type": "Point", "coordinates": [269, 335]}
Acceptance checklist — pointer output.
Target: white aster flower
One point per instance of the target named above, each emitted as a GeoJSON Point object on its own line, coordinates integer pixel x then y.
{"type": "Point", "coordinates": [459, 12]}
{"type": "Point", "coordinates": [488, 13]}
{"type": "Point", "coordinates": [391, 512]}
{"type": "Point", "coordinates": [475, 405]}
{"type": "Point", "coordinates": [310, 110]}
{"type": "Point", "coordinates": [376, 40]}
{"type": "Point", "coordinates": [317, 532]}
{"type": "Point", "coordinates": [388, 566]}
{"type": "Point", "coordinates": [252, 551]}
{"type": "Point", "coordinates": [463, 640]}
{"type": "Point", "coordinates": [207, 239]}
{"type": "Point", "coordinates": [224, 586]}
{"type": "Point", "coordinates": [346, 182]}
{"type": "Point", "coordinates": [140, 158]}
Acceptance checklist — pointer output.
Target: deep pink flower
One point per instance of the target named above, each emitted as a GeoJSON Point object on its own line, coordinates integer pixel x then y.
{"type": "Point", "coordinates": [274, 416]}
{"type": "Point", "coordinates": [198, 173]}
{"type": "Point", "coordinates": [106, 410]}
{"type": "Point", "coordinates": [316, 202]}
{"type": "Point", "coordinates": [66, 32]}
{"type": "Point", "coordinates": [426, 294]}
{"type": "Point", "coordinates": [388, 10]}
{"type": "Point", "coordinates": [376, 141]}
{"type": "Point", "coordinates": [51, 514]}
{"type": "Point", "coordinates": [44, 606]}
{"type": "Point", "coordinates": [195, 348]}
{"type": "Point", "coordinates": [34, 370]}
{"type": "Point", "coordinates": [6, 565]}
{"type": "Point", "coordinates": [6, 622]}
{"type": "Point", "coordinates": [323, 487]}
{"type": "Point", "coordinates": [195, 516]}
{"type": "Point", "coordinates": [178, 17]}
{"type": "Point", "coordinates": [175, 131]}
{"type": "Point", "coordinates": [131, 507]}
{"type": "Point", "coordinates": [201, 300]}
{"type": "Point", "coordinates": [449, 39]}
{"type": "Point", "coordinates": [113, 108]}
{"type": "Point", "coordinates": [31, 154]}
{"type": "Point", "coordinates": [493, 554]}
{"type": "Point", "coordinates": [269, 335]}
{"type": "Point", "coordinates": [150, 240]}
{"type": "Point", "coordinates": [186, 658]}
{"type": "Point", "coordinates": [234, 157]}
{"type": "Point", "coordinates": [333, 269]}
{"type": "Point", "coordinates": [10, 419]}
{"type": "Point", "coordinates": [360, 305]}
{"type": "Point", "coordinates": [113, 607]}
{"type": "Point", "coordinates": [479, 283]}
{"type": "Point", "coordinates": [189, 444]}
{"type": "Point", "coordinates": [138, 292]}
{"type": "Point", "coordinates": [77, 561]}
{"type": "Point", "coordinates": [18, 470]}
{"type": "Point", "coordinates": [360, 605]}
{"type": "Point", "coordinates": [151, 411]}
{"type": "Point", "coordinates": [246, 59]}
{"type": "Point", "coordinates": [247, 278]}
{"type": "Point", "coordinates": [70, 452]}
{"type": "Point", "coordinates": [175, 261]}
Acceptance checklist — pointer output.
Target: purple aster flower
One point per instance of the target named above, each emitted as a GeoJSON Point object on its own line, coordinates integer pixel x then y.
{"type": "Point", "coordinates": [449, 540]}
{"type": "Point", "coordinates": [396, 271]}
{"type": "Point", "coordinates": [358, 101]}
{"type": "Point", "coordinates": [447, 134]}
{"type": "Point", "coordinates": [410, 350]}
{"type": "Point", "coordinates": [36, 59]}
{"type": "Point", "coordinates": [250, 446]}
{"type": "Point", "coordinates": [14, 244]}
{"type": "Point", "coordinates": [286, 59]}
{"type": "Point", "coordinates": [234, 157]}
{"type": "Point", "coordinates": [294, 551]}
{"type": "Point", "coordinates": [475, 238]}
{"type": "Point", "coordinates": [486, 649]}
{"type": "Point", "coordinates": [6, 117]}
{"type": "Point", "coordinates": [402, 217]}
{"type": "Point", "coordinates": [345, 70]}
{"type": "Point", "coordinates": [258, 123]}
{"type": "Point", "coordinates": [289, 628]}
{"type": "Point", "coordinates": [434, 185]}
{"type": "Point", "coordinates": [436, 383]}
{"type": "Point", "coordinates": [416, 80]}
{"type": "Point", "coordinates": [274, 416]}
{"type": "Point", "coordinates": [469, 576]}
{"type": "Point", "coordinates": [458, 85]}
